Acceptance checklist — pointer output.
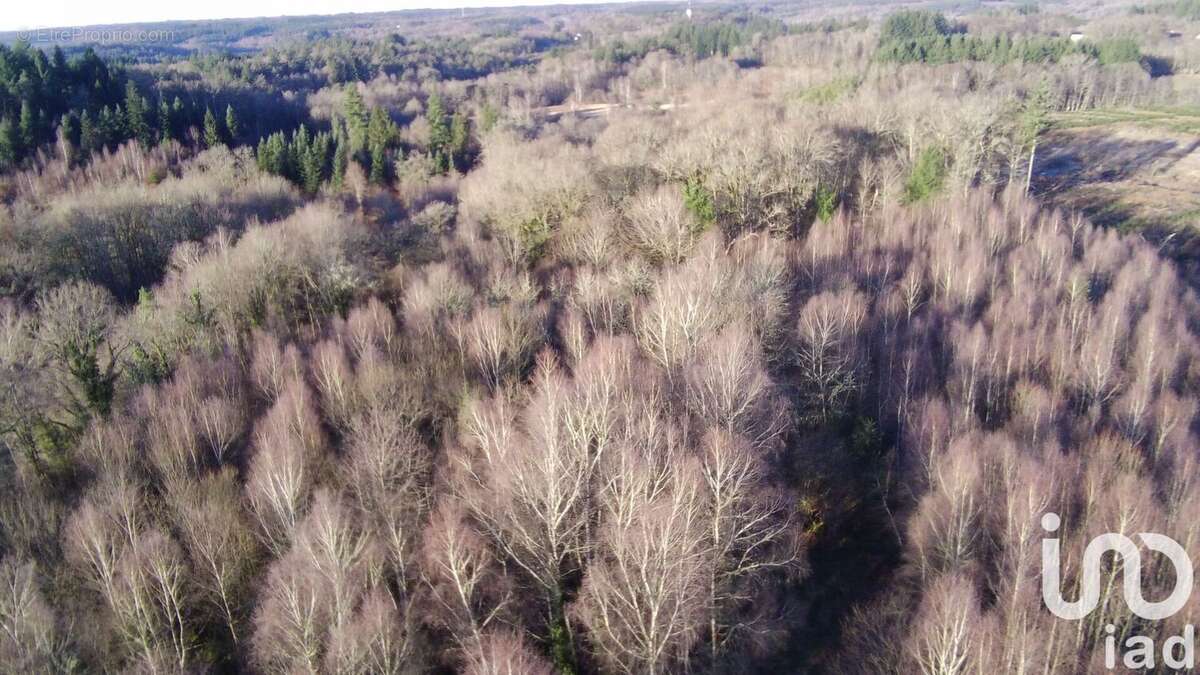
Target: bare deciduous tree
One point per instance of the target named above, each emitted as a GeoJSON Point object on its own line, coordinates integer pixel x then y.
{"type": "Point", "coordinates": [644, 598]}
{"type": "Point", "coordinates": [219, 541]}
{"type": "Point", "coordinates": [283, 468]}
{"type": "Point", "coordinates": [727, 387]}
{"type": "Point", "coordinates": [829, 358]}
{"type": "Point", "coordinates": [947, 633]}
{"type": "Point", "coordinates": [466, 584]}
{"type": "Point", "coordinates": [30, 641]}
{"type": "Point", "coordinates": [661, 227]}
{"type": "Point", "coordinates": [505, 653]}
{"type": "Point", "coordinates": [752, 530]}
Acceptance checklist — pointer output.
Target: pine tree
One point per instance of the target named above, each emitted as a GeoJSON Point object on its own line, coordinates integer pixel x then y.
{"type": "Point", "coordinates": [27, 128]}
{"type": "Point", "coordinates": [439, 132]}
{"type": "Point", "coordinates": [165, 123]}
{"type": "Point", "coordinates": [378, 164]}
{"type": "Point", "coordinates": [312, 163]}
{"type": "Point", "coordinates": [280, 161]}
{"type": "Point", "coordinates": [232, 126]}
{"type": "Point", "coordinates": [135, 116]}
{"type": "Point", "coordinates": [340, 160]}
{"type": "Point", "coordinates": [212, 132]}
{"type": "Point", "coordinates": [356, 119]}
{"type": "Point", "coordinates": [88, 138]}
{"type": "Point", "coordinates": [9, 144]}
{"type": "Point", "coordinates": [381, 132]}
{"type": "Point", "coordinates": [261, 157]}
{"type": "Point", "coordinates": [106, 127]}
{"type": "Point", "coordinates": [1035, 121]}
{"type": "Point", "coordinates": [295, 155]}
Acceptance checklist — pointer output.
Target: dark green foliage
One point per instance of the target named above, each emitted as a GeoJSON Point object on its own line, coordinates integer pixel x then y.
{"type": "Point", "coordinates": [703, 40]}
{"type": "Point", "coordinates": [212, 131]}
{"type": "Point", "coordinates": [439, 133]}
{"type": "Point", "coordinates": [697, 39]}
{"type": "Point", "coordinates": [342, 60]}
{"type": "Point", "coordinates": [340, 162]}
{"type": "Point", "coordinates": [1184, 9]}
{"type": "Point", "coordinates": [97, 383]}
{"type": "Point", "coordinates": [927, 37]}
{"type": "Point", "coordinates": [866, 441]}
{"type": "Point", "coordinates": [562, 647]}
{"type": "Point", "coordinates": [307, 160]}
{"type": "Point", "coordinates": [165, 124]}
{"type": "Point", "coordinates": [826, 202]}
{"type": "Point", "coordinates": [381, 136]}
{"type": "Point", "coordinates": [927, 177]}
{"type": "Point", "coordinates": [699, 200]}
{"type": "Point", "coordinates": [36, 92]}
{"type": "Point", "coordinates": [1118, 50]}
{"type": "Point", "coordinates": [136, 124]}
{"type": "Point", "coordinates": [27, 128]}
{"type": "Point", "coordinates": [10, 144]}
{"type": "Point", "coordinates": [109, 128]}
{"type": "Point", "coordinates": [910, 25]}
{"type": "Point", "coordinates": [233, 127]}
{"type": "Point", "coordinates": [356, 120]}
{"type": "Point", "coordinates": [1035, 115]}
{"type": "Point", "coordinates": [89, 136]}
{"type": "Point", "coordinates": [379, 164]}
{"type": "Point", "coordinates": [314, 160]}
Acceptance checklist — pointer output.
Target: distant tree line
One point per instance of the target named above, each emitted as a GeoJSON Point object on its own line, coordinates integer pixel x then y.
{"type": "Point", "coordinates": [1184, 9]}
{"type": "Point", "coordinates": [920, 36]}
{"type": "Point", "coordinates": [87, 104]}
{"type": "Point", "coordinates": [698, 40]}
{"type": "Point", "coordinates": [340, 60]}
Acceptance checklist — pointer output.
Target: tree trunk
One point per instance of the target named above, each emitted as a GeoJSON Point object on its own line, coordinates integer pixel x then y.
{"type": "Point", "coordinates": [1029, 174]}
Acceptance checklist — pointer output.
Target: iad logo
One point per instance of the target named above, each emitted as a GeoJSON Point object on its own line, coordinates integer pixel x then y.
{"type": "Point", "coordinates": [1089, 586]}
{"type": "Point", "coordinates": [1140, 654]}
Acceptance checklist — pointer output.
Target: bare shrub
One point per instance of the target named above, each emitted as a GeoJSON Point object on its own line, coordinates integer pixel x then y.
{"type": "Point", "coordinates": [727, 387]}
{"type": "Point", "coordinates": [220, 543]}
{"type": "Point", "coordinates": [29, 637]}
{"type": "Point", "coordinates": [501, 341]}
{"type": "Point", "coordinates": [661, 227]}
{"type": "Point", "coordinates": [505, 653]}
{"type": "Point", "coordinates": [829, 354]}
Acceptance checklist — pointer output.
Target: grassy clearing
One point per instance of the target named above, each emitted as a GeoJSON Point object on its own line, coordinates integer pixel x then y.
{"type": "Point", "coordinates": [1176, 119]}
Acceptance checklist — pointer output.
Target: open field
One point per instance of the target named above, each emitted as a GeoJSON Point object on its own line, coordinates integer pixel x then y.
{"type": "Point", "coordinates": [1137, 170]}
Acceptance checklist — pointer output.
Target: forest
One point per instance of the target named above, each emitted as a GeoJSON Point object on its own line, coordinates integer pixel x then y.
{"type": "Point", "coordinates": [591, 340]}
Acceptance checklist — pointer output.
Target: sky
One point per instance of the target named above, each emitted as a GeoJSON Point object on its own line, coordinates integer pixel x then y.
{"type": "Point", "coordinates": [27, 14]}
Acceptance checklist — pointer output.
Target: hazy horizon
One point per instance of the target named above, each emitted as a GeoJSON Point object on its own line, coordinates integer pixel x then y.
{"type": "Point", "coordinates": [75, 14]}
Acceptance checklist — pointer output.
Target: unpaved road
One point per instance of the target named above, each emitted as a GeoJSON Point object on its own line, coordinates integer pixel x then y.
{"type": "Point", "coordinates": [598, 109]}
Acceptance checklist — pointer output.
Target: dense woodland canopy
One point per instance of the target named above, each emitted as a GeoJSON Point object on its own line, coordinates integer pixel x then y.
{"type": "Point", "coordinates": [366, 355]}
